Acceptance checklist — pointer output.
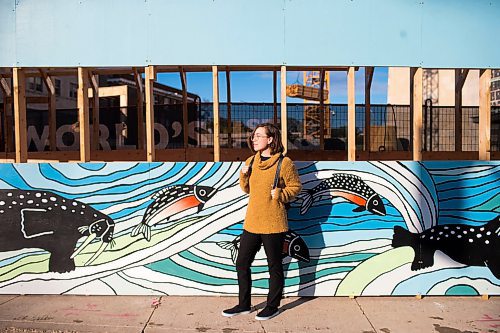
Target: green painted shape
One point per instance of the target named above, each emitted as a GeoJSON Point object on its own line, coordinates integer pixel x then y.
{"type": "Point", "coordinates": [361, 276]}
{"type": "Point", "coordinates": [461, 290]}
{"type": "Point", "coordinates": [38, 263]}
{"type": "Point", "coordinates": [492, 205]}
{"type": "Point", "coordinates": [169, 267]}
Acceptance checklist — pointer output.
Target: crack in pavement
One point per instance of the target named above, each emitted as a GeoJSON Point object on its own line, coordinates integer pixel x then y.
{"type": "Point", "coordinates": [17, 296]}
{"type": "Point", "coordinates": [364, 314]}
{"type": "Point", "coordinates": [151, 315]}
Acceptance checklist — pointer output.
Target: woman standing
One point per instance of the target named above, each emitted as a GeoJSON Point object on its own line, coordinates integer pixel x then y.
{"type": "Point", "coordinates": [266, 218]}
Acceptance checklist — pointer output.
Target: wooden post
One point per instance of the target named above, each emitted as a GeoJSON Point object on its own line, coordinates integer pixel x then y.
{"type": "Point", "coordinates": [284, 120]}
{"type": "Point", "coordinates": [321, 110]}
{"type": "Point", "coordinates": [83, 113]}
{"type": "Point", "coordinates": [94, 80]}
{"type": "Point", "coordinates": [275, 97]}
{"type": "Point", "coordinates": [51, 89]}
{"type": "Point", "coordinates": [229, 122]}
{"type": "Point", "coordinates": [7, 113]}
{"type": "Point", "coordinates": [484, 114]}
{"type": "Point", "coordinates": [460, 76]}
{"type": "Point", "coordinates": [20, 115]}
{"type": "Point", "coordinates": [215, 89]}
{"type": "Point", "coordinates": [368, 86]}
{"type": "Point", "coordinates": [140, 109]}
{"type": "Point", "coordinates": [150, 106]}
{"type": "Point", "coordinates": [351, 116]}
{"type": "Point", "coordinates": [185, 120]}
{"type": "Point", "coordinates": [416, 79]}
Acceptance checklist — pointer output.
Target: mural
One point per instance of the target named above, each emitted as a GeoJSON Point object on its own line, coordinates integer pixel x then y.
{"type": "Point", "coordinates": [363, 228]}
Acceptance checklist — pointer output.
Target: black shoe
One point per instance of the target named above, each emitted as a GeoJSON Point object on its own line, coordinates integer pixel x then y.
{"type": "Point", "coordinates": [267, 313]}
{"type": "Point", "coordinates": [234, 311]}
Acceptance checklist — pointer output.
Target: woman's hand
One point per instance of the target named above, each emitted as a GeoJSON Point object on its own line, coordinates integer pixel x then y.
{"type": "Point", "coordinates": [245, 169]}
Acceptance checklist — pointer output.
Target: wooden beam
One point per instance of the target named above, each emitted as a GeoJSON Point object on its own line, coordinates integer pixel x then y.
{"type": "Point", "coordinates": [94, 82]}
{"type": "Point", "coordinates": [321, 110]}
{"type": "Point", "coordinates": [51, 89]}
{"type": "Point", "coordinates": [112, 91]}
{"type": "Point", "coordinates": [4, 85]}
{"type": "Point", "coordinates": [20, 131]}
{"type": "Point", "coordinates": [7, 114]}
{"type": "Point", "coordinates": [416, 75]}
{"type": "Point", "coordinates": [351, 116]}
{"type": "Point", "coordinates": [83, 113]}
{"type": "Point", "coordinates": [485, 114]}
{"type": "Point", "coordinates": [215, 89]}
{"type": "Point", "coordinates": [229, 121]}
{"type": "Point", "coordinates": [275, 96]}
{"type": "Point", "coordinates": [150, 107]}
{"type": "Point", "coordinates": [140, 109]}
{"type": "Point", "coordinates": [368, 86]}
{"type": "Point", "coordinates": [460, 77]}
{"type": "Point", "coordinates": [185, 120]}
{"type": "Point", "coordinates": [284, 120]}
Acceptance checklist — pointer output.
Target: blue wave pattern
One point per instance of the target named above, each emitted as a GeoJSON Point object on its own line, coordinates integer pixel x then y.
{"type": "Point", "coordinates": [419, 194]}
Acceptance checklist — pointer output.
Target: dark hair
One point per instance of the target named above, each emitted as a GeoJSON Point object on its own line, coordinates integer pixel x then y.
{"type": "Point", "coordinates": [272, 131]}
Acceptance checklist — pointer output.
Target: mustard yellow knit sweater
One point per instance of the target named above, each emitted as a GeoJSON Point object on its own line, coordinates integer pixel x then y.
{"type": "Point", "coordinates": [266, 215]}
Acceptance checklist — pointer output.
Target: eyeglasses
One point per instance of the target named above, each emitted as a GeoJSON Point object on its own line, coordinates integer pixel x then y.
{"type": "Point", "coordinates": [258, 137]}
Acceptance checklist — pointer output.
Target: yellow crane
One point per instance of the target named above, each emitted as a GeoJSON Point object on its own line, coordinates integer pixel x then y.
{"type": "Point", "coordinates": [310, 92]}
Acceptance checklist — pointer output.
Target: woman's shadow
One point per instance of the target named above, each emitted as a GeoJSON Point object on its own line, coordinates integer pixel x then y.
{"type": "Point", "coordinates": [309, 227]}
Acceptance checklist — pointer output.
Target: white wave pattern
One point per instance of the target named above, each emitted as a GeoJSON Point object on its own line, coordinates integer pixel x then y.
{"type": "Point", "coordinates": [463, 170]}
{"type": "Point", "coordinates": [415, 187]}
{"type": "Point", "coordinates": [483, 286]}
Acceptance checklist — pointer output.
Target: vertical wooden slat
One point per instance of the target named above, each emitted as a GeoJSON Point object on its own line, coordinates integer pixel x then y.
{"type": "Point", "coordinates": [460, 76]}
{"type": "Point", "coordinates": [83, 113]}
{"type": "Point", "coordinates": [215, 89]}
{"type": "Point", "coordinates": [51, 89]}
{"type": "Point", "coordinates": [94, 80]}
{"type": "Point", "coordinates": [7, 111]}
{"type": "Point", "coordinates": [150, 139]}
{"type": "Point", "coordinates": [484, 114]}
{"type": "Point", "coordinates": [20, 130]}
{"type": "Point", "coordinates": [284, 120]}
{"type": "Point", "coordinates": [229, 121]}
{"type": "Point", "coordinates": [140, 109]}
{"type": "Point", "coordinates": [368, 86]}
{"type": "Point", "coordinates": [417, 74]}
{"type": "Point", "coordinates": [351, 116]}
{"type": "Point", "coordinates": [275, 96]}
{"type": "Point", "coordinates": [412, 75]}
{"type": "Point", "coordinates": [185, 120]}
{"type": "Point", "coordinates": [321, 109]}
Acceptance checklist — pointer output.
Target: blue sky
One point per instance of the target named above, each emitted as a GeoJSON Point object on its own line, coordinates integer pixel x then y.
{"type": "Point", "coordinates": [258, 86]}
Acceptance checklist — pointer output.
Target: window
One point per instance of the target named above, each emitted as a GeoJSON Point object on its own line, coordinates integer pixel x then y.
{"type": "Point", "coordinates": [73, 90]}
{"type": "Point", "coordinates": [31, 83]}
{"type": "Point", "coordinates": [57, 84]}
{"type": "Point", "coordinates": [38, 84]}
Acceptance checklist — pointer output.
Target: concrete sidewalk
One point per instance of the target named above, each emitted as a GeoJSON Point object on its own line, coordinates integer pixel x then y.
{"type": "Point", "coordinates": [202, 314]}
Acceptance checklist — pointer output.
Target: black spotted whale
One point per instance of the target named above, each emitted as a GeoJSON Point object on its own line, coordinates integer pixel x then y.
{"type": "Point", "coordinates": [466, 244]}
{"type": "Point", "coordinates": [45, 220]}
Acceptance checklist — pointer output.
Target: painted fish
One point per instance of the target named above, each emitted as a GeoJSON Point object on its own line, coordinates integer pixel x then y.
{"type": "Point", "coordinates": [466, 244]}
{"type": "Point", "coordinates": [42, 219]}
{"type": "Point", "coordinates": [171, 201]}
{"type": "Point", "coordinates": [349, 187]}
{"type": "Point", "coordinates": [293, 246]}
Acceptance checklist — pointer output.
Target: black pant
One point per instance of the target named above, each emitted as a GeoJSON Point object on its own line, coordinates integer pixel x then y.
{"type": "Point", "coordinates": [249, 246]}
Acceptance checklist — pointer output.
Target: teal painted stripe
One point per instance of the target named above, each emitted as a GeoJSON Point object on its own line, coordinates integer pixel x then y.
{"type": "Point", "coordinates": [169, 267]}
